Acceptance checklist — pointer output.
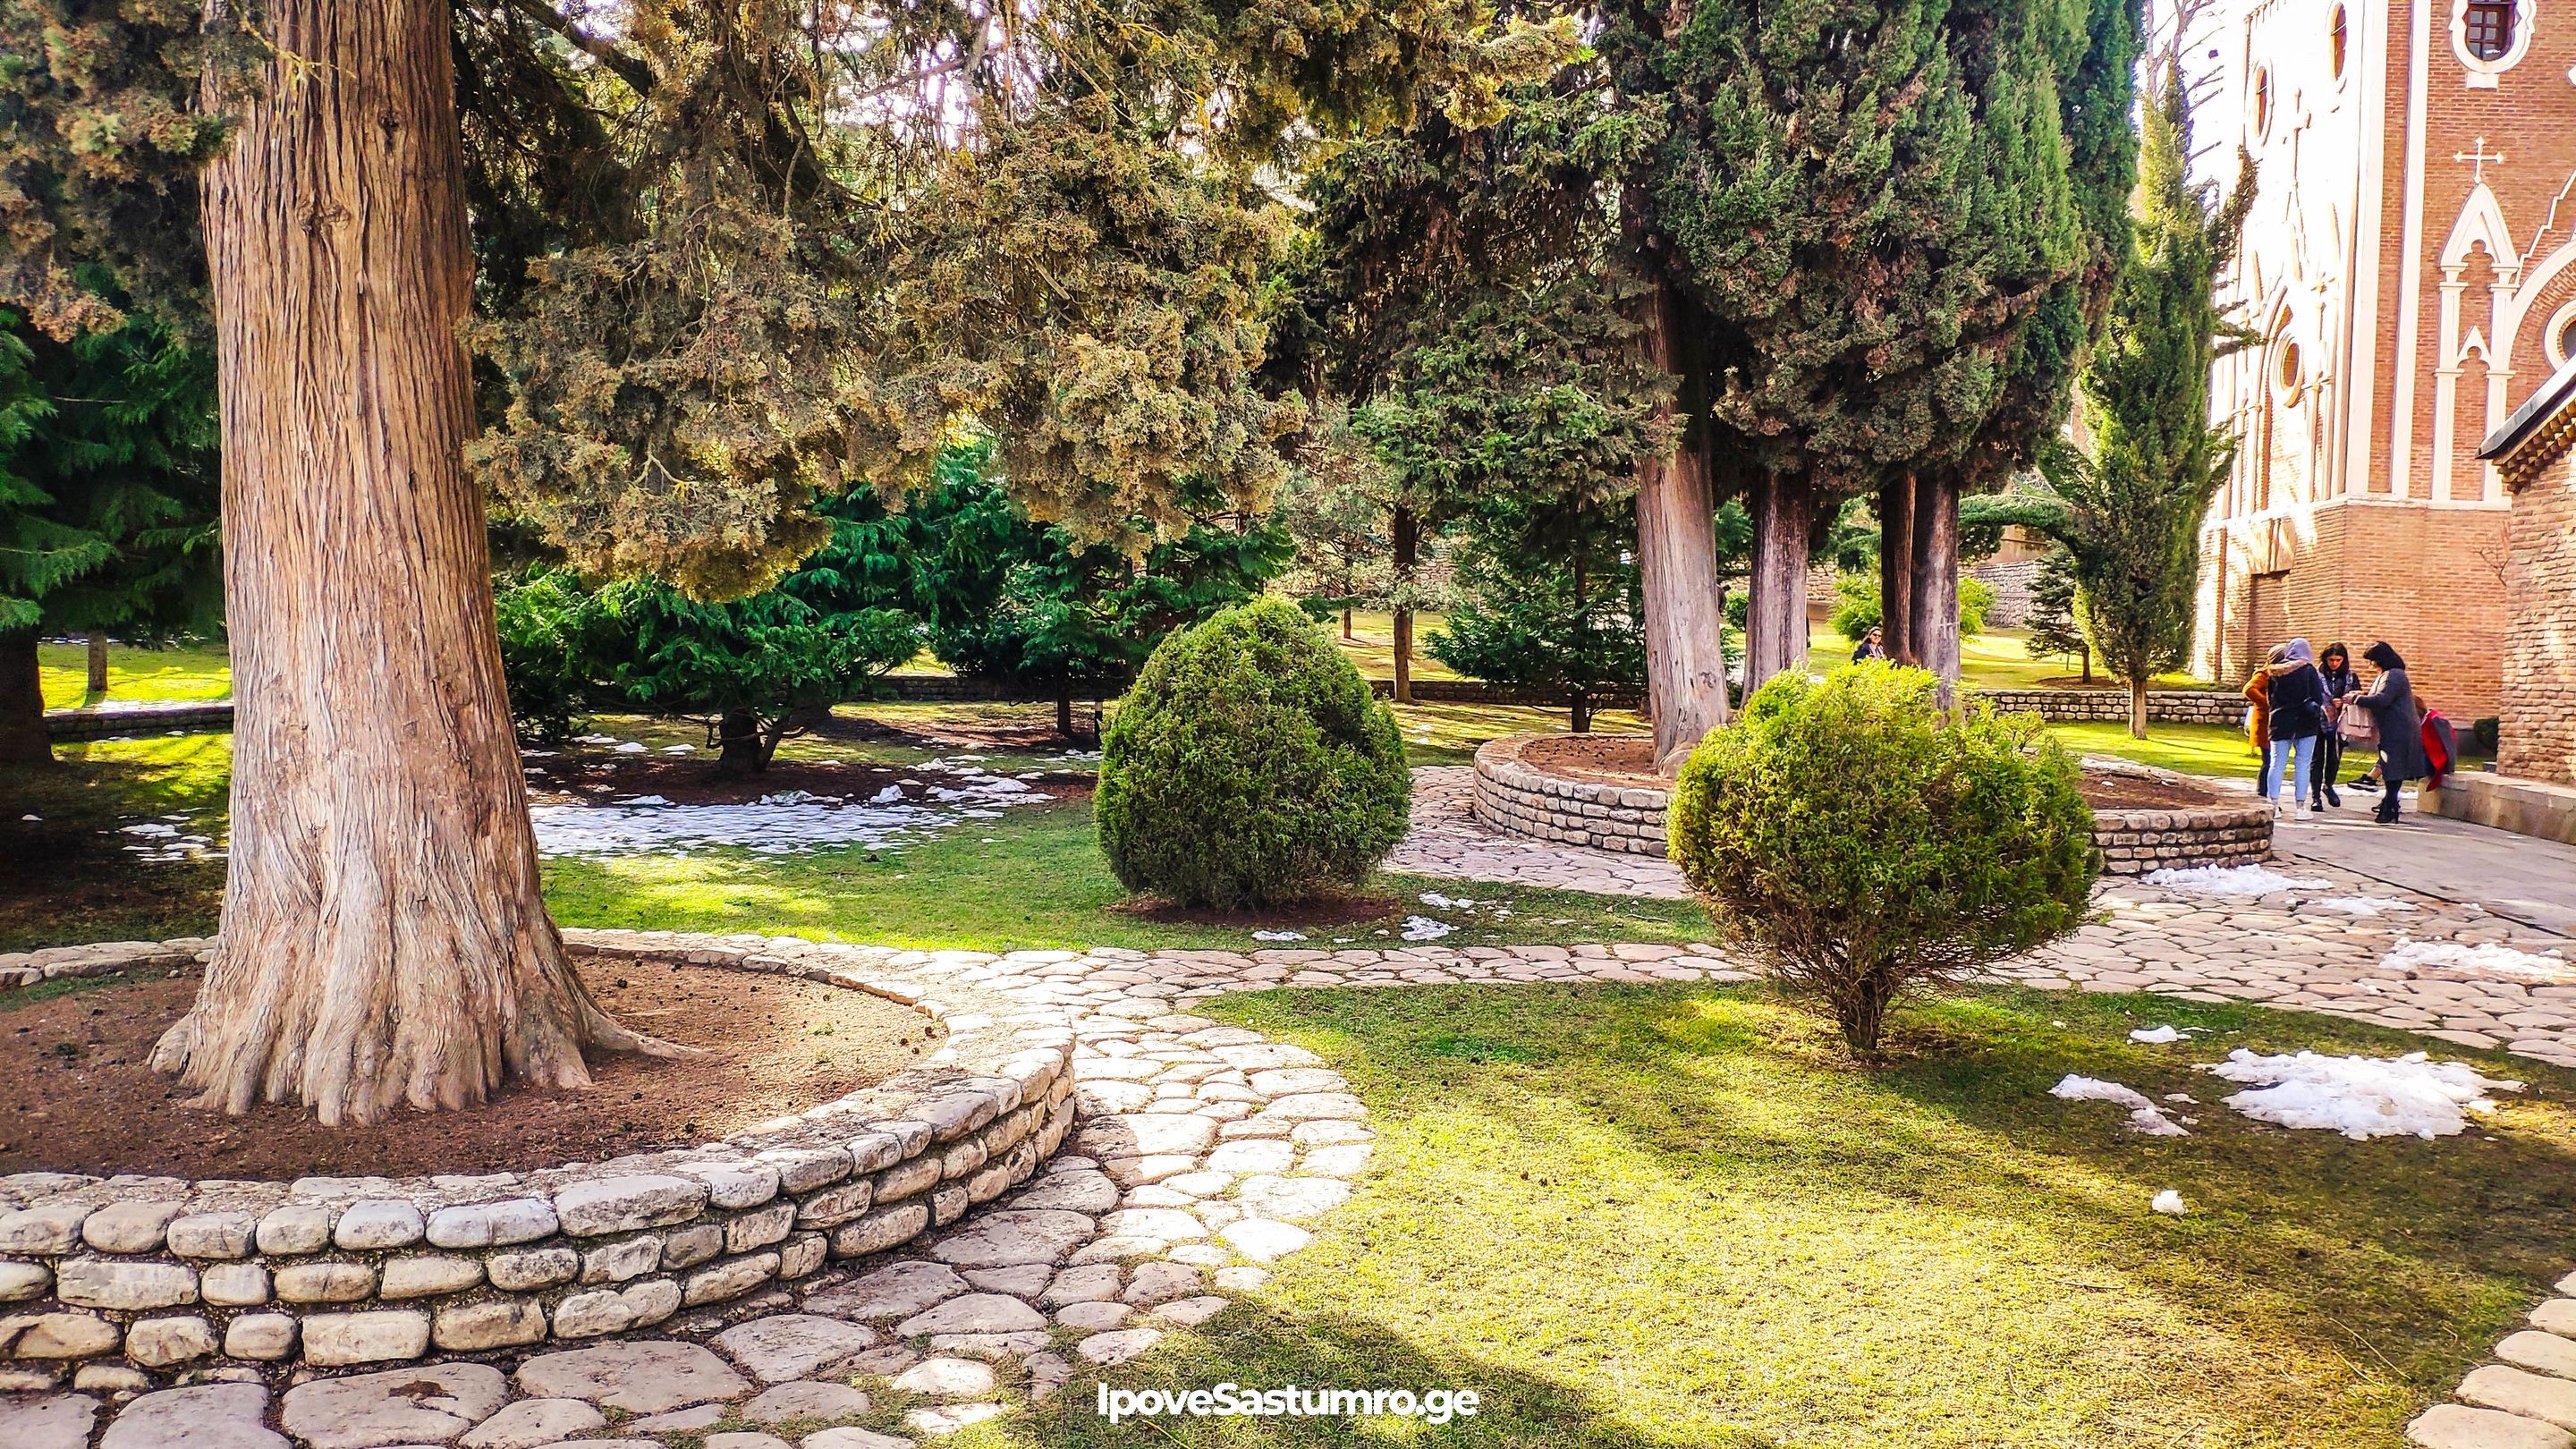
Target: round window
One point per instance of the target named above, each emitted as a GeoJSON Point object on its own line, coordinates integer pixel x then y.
{"type": "Point", "coordinates": [2289, 367]}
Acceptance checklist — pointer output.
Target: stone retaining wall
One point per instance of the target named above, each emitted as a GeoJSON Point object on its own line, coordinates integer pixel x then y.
{"type": "Point", "coordinates": [99, 723]}
{"type": "Point", "coordinates": [166, 1272]}
{"type": "Point", "coordinates": [1514, 796]}
{"type": "Point", "coordinates": [1517, 797]}
{"type": "Point", "coordinates": [2164, 706]}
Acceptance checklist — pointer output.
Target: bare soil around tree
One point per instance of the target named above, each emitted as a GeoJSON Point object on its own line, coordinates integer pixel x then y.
{"type": "Point", "coordinates": [75, 1095]}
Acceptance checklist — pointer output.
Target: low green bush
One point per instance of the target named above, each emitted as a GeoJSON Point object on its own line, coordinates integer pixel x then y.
{"type": "Point", "coordinates": [1856, 605]}
{"type": "Point", "coordinates": [1250, 765]}
{"type": "Point", "coordinates": [1861, 842]}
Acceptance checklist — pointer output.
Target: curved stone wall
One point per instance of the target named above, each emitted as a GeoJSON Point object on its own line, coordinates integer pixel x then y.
{"type": "Point", "coordinates": [335, 1271]}
{"type": "Point", "coordinates": [1514, 796]}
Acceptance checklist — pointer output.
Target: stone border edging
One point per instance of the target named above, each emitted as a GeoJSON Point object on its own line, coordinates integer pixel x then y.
{"type": "Point", "coordinates": [1515, 796]}
{"type": "Point", "coordinates": [344, 1271]}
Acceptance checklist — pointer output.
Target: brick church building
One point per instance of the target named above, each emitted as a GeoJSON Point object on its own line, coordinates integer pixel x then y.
{"type": "Point", "coordinates": [2409, 267]}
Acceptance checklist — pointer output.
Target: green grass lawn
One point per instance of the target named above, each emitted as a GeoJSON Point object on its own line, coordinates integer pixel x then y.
{"type": "Point", "coordinates": [1996, 659]}
{"type": "Point", "coordinates": [171, 674]}
{"type": "Point", "coordinates": [65, 876]}
{"type": "Point", "coordinates": [1032, 879]}
{"type": "Point", "coordinates": [1680, 1218]}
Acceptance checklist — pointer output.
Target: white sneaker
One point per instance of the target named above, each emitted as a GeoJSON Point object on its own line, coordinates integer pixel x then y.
{"type": "Point", "coordinates": [2301, 813]}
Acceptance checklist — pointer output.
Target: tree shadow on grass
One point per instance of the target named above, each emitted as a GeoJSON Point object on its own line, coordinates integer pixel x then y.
{"type": "Point", "coordinates": [2352, 1281]}
{"type": "Point", "coordinates": [1257, 1347]}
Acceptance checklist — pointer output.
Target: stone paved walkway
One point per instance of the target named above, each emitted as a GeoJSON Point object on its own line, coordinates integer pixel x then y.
{"type": "Point", "coordinates": [1448, 840]}
{"type": "Point", "coordinates": [1204, 1149]}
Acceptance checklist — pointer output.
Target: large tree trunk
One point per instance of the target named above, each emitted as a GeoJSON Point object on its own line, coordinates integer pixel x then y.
{"type": "Point", "coordinates": [1935, 613]}
{"type": "Point", "coordinates": [22, 702]}
{"type": "Point", "coordinates": [1685, 601]}
{"type": "Point", "coordinates": [1064, 708]}
{"type": "Point", "coordinates": [1896, 569]}
{"type": "Point", "coordinates": [383, 938]}
{"type": "Point", "coordinates": [1408, 545]}
{"type": "Point", "coordinates": [740, 746]}
{"type": "Point", "coordinates": [97, 666]}
{"type": "Point", "coordinates": [1775, 626]}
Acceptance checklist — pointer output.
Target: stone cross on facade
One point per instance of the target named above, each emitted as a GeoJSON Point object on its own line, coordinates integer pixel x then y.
{"type": "Point", "coordinates": [2480, 155]}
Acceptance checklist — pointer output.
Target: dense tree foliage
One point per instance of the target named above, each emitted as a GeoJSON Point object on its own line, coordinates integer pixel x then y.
{"type": "Point", "coordinates": [1547, 596]}
{"type": "Point", "coordinates": [2134, 501]}
{"type": "Point", "coordinates": [2055, 632]}
{"type": "Point", "coordinates": [958, 568]}
{"type": "Point", "coordinates": [107, 498]}
{"type": "Point", "coordinates": [1339, 510]}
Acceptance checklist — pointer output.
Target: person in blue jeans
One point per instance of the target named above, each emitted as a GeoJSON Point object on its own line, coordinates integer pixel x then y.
{"type": "Point", "coordinates": [2298, 704]}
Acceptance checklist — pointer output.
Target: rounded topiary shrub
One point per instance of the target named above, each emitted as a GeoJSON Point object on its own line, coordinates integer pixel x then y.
{"type": "Point", "coordinates": [1250, 765]}
{"type": "Point", "coordinates": [1859, 840]}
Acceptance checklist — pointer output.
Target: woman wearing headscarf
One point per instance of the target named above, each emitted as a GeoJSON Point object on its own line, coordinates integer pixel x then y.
{"type": "Point", "coordinates": [2297, 699]}
{"type": "Point", "coordinates": [2334, 668]}
{"type": "Point", "coordinates": [2391, 702]}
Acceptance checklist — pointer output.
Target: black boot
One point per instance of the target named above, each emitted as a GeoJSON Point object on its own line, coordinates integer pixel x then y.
{"type": "Point", "coordinates": [2333, 799]}
{"type": "Point", "coordinates": [2386, 814]}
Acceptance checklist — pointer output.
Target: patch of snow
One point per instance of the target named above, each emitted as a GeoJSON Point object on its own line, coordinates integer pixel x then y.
{"type": "Point", "coordinates": [152, 828]}
{"type": "Point", "coordinates": [2168, 1202]}
{"type": "Point", "coordinates": [679, 749]}
{"type": "Point", "coordinates": [2359, 907]}
{"type": "Point", "coordinates": [596, 740]}
{"type": "Point", "coordinates": [2156, 1035]}
{"type": "Point", "coordinates": [32, 819]}
{"type": "Point", "coordinates": [631, 747]}
{"type": "Point", "coordinates": [887, 796]}
{"type": "Point", "coordinates": [2360, 1097]}
{"type": "Point", "coordinates": [2144, 1116]}
{"type": "Point", "coordinates": [1279, 935]}
{"type": "Point", "coordinates": [2227, 880]}
{"type": "Point", "coordinates": [2483, 959]}
{"type": "Point", "coordinates": [1439, 902]}
{"type": "Point", "coordinates": [788, 822]}
{"type": "Point", "coordinates": [1423, 928]}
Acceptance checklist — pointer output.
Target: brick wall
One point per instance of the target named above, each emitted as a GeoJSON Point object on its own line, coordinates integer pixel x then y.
{"type": "Point", "coordinates": [2539, 696]}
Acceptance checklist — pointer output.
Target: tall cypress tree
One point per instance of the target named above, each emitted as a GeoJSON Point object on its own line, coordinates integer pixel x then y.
{"type": "Point", "coordinates": [2135, 502]}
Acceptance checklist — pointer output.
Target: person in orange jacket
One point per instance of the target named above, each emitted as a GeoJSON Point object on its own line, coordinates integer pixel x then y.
{"type": "Point", "coordinates": [2258, 717]}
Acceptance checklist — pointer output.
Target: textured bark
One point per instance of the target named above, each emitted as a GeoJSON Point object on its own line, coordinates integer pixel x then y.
{"type": "Point", "coordinates": [97, 666]}
{"type": "Point", "coordinates": [742, 747]}
{"type": "Point", "coordinates": [1775, 626]}
{"type": "Point", "coordinates": [1896, 569]}
{"type": "Point", "coordinates": [2138, 708]}
{"type": "Point", "coordinates": [1685, 601]}
{"type": "Point", "coordinates": [1408, 545]}
{"type": "Point", "coordinates": [1064, 708]}
{"type": "Point", "coordinates": [383, 938]}
{"type": "Point", "coordinates": [22, 702]}
{"type": "Point", "coordinates": [1935, 621]}
{"type": "Point", "coordinates": [1346, 623]}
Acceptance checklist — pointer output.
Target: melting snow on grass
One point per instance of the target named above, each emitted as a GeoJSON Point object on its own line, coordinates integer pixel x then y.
{"type": "Point", "coordinates": [788, 823]}
{"type": "Point", "coordinates": [2144, 1116]}
{"type": "Point", "coordinates": [162, 842]}
{"type": "Point", "coordinates": [2227, 880]}
{"type": "Point", "coordinates": [2360, 1097]}
{"type": "Point", "coordinates": [1423, 928]}
{"type": "Point", "coordinates": [2483, 959]}
{"type": "Point", "coordinates": [1279, 935]}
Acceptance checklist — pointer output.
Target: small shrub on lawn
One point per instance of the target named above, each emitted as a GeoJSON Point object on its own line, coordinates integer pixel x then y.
{"type": "Point", "coordinates": [1861, 842]}
{"type": "Point", "coordinates": [1856, 605]}
{"type": "Point", "coordinates": [1250, 765]}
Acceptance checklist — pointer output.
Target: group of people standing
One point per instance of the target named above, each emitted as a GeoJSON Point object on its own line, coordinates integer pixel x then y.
{"type": "Point", "coordinates": [2306, 708]}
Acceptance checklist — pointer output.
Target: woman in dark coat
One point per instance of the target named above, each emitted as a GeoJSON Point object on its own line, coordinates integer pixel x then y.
{"type": "Point", "coordinates": [2334, 667]}
{"type": "Point", "coordinates": [2391, 702]}
{"type": "Point", "coordinates": [2297, 700]}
